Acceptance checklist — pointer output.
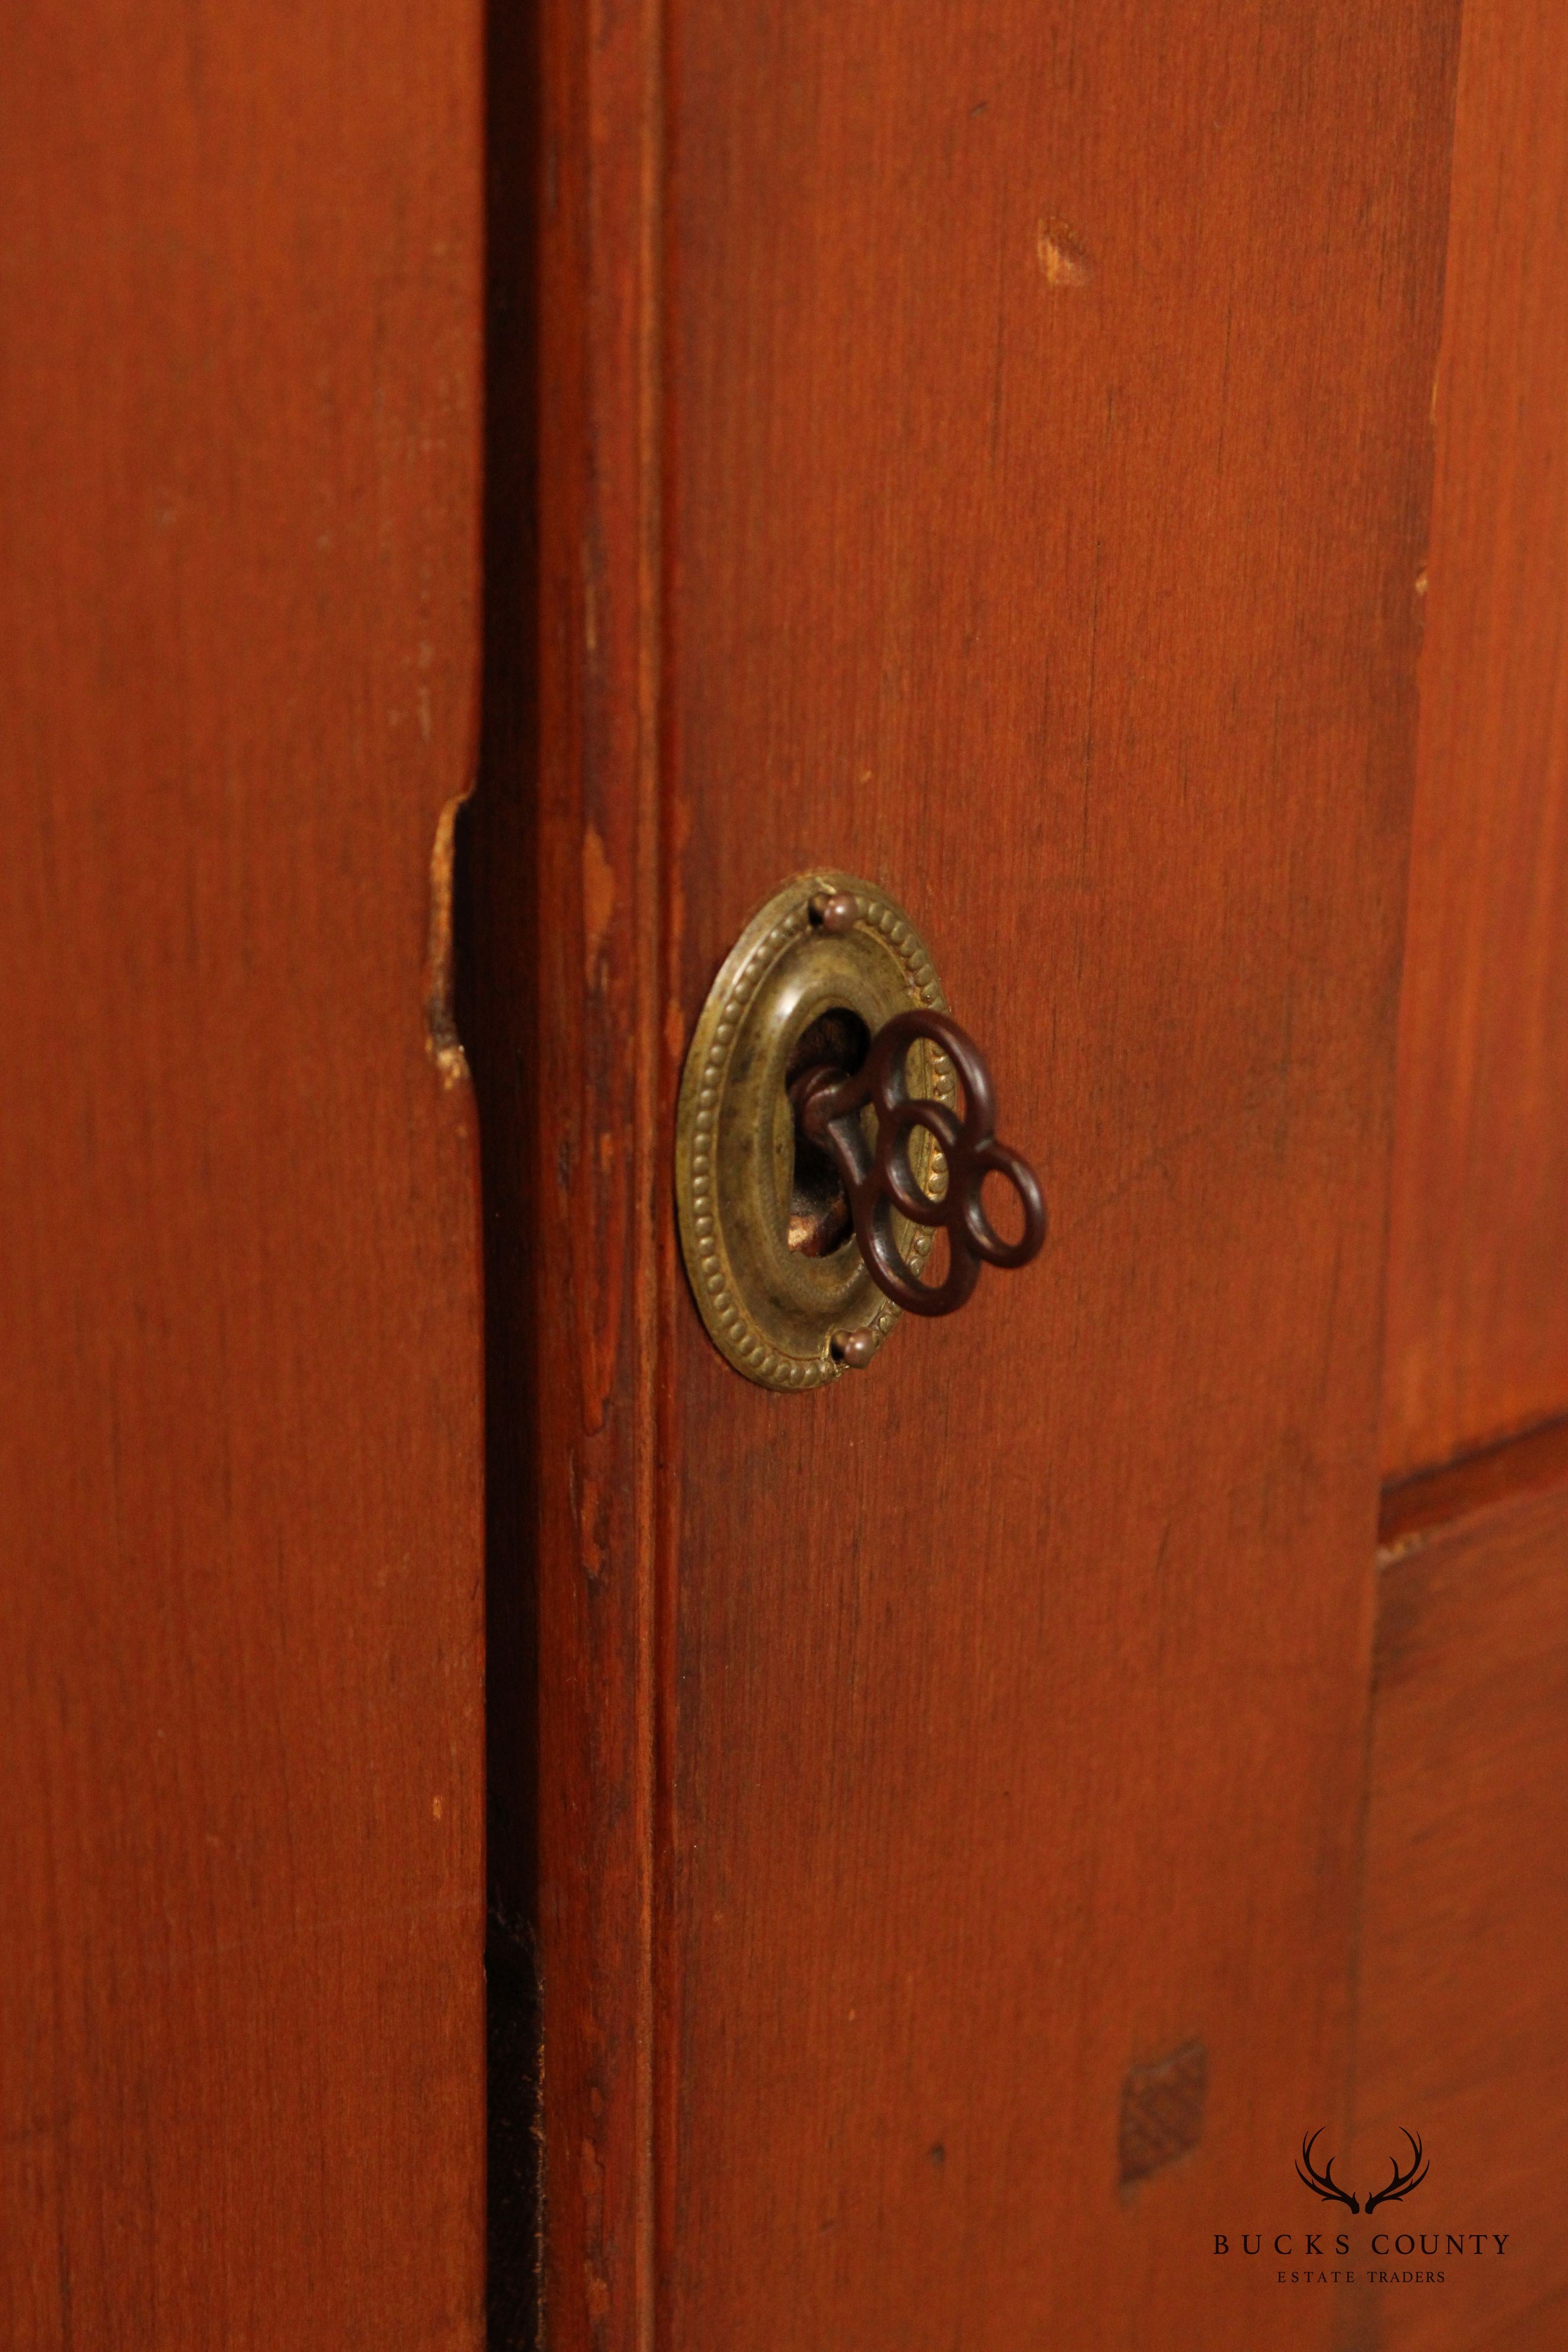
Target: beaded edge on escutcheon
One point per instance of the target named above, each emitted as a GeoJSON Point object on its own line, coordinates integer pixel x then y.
{"type": "Point", "coordinates": [725, 1317]}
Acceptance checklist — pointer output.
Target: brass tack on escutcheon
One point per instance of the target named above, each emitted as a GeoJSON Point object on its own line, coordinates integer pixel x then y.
{"type": "Point", "coordinates": [836, 914]}
{"type": "Point", "coordinates": [855, 1348]}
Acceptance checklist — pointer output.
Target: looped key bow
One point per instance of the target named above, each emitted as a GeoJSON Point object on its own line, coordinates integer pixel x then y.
{"type": "Point", "coordinates": [880, 1181]}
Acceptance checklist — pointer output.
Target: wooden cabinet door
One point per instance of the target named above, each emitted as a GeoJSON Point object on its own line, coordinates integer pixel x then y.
{"type": "Point", "coordinates": [986, 450]}
{"type": "Point", "coordinates": [1463, 1957]}
{"type": "Point", "coordinates": [958, 1833]}
{"type": "Point", "coordinates": [241, 1993]}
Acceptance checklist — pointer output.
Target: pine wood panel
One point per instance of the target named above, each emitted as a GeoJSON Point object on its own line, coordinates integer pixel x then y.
{"type": "Point", "coordinates": [1464, 1947]}
{"type": "Point", "coordinates": [561, 1006]}
{"type": "Point", "coordinates": [990, 450]}
{"type": "Point", "coordinates": [1477, 1343]}
{"type": "Point", "coordinates": [241, 2066]}
{"type": "Point", "coordinates": [1521, 1467]}
{"type": "Point", "coordinates": [1031, 550]}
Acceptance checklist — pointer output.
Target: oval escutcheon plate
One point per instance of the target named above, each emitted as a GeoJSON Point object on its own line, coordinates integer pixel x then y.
{"type": "Point", "coordinates": [773, 1263]}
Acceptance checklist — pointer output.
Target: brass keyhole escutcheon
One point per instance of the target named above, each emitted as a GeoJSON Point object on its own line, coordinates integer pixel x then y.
{"type": "Point", "coordinates": [765, 1223]}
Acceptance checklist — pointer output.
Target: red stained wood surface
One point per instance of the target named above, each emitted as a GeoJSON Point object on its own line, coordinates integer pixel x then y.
{"type": "Point", "coordinates": [1464, 1946]}
{"type": "Point", "coordinates": [241, 2072]}
{"type": "Point", "coordinates": [1478, 1336]}
{"type": "Point", "coordinates": [1416, 1507]}
{"type": "Point", "coordinates": [988, 451]}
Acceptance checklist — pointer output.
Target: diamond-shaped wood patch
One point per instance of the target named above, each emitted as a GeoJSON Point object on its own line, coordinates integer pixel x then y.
{"type": "Point", "coordinates": [1163, 2111]}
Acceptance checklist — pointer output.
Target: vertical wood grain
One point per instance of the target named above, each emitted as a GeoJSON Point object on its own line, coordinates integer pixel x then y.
{"type": "Point", "coordinates": [1043, 449]}
{"type": "Point", "coordinates": [561, 891]}
{"type": "Point", "coordinates": [1477, 1334]}
{"type": "Point", "coordinates": [241, 2070]}
{"type": "Point", "coordinates": [1464, 1921]}
{"type": "Point", "coordinates": [1048, 469]}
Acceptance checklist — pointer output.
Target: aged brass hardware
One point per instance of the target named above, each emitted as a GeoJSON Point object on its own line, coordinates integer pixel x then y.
{"type": "Point", "coordinates": [819, 1142]}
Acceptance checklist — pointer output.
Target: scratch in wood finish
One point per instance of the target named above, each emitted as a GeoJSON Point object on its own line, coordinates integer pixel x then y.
{"type": "Point", "coordinates": [1062, 260]}
{"type": "Point", "coordinates": [598, 904]}
{"type": "Point", "coordinates": [440, 1021]}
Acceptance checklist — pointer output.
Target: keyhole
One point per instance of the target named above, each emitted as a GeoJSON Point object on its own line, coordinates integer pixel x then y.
{"type": "Point", "coordinates": [819, 1217]}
